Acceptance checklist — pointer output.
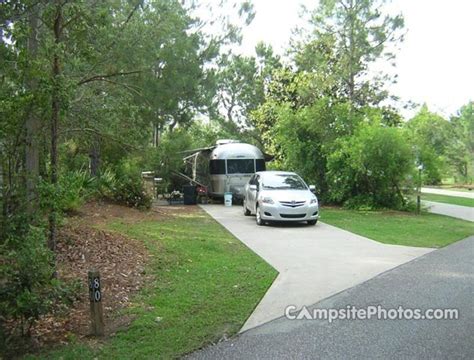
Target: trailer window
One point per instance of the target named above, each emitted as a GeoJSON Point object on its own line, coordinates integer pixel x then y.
{"type": "Point", "coordinates": [217, 167]}
{"type": "Point", "coordinates": [260, 165]}
{"type": "Point", "coordinates": [240, 166]}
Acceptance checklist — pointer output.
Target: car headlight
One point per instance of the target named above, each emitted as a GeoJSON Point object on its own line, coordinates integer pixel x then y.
{"type": "Point", "coordinates": [267, 200]}
{"type": "Point", "coordinates": [314, 201]}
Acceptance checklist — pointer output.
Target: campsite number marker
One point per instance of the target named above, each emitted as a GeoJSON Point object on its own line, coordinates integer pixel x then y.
{"type": "Point", "coordinates": [95, 297]}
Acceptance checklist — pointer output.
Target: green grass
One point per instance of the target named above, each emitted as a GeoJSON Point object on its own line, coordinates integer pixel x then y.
{"type": "Point", "coordinates": [206, 284]}
{"type": "Point", "coordinates": [454, 200]}
{"type": "Point", "coordinates": [400, 228]}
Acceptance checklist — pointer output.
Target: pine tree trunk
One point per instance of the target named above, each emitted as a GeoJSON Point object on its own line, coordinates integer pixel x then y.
{"type": "Point", "coordinates": [94, 157]}
{"type": "Point", "coordinates": [2, 193]}
{"type": "Point", "coordinates": [55, 113]}
{"type": "Point", "coordinates": [155, 135]}
{"type": "Point", "coordinates": [32, 124]}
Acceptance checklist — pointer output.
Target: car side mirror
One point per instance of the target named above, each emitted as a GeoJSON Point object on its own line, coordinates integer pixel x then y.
{"type": "Point", "coordinates": [312, 188]}
{"type": "Point", "coordinates": [253, 187]}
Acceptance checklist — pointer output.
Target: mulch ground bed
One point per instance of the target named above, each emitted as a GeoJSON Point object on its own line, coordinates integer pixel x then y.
{"type": "Point", "coordinates": [83, 245]}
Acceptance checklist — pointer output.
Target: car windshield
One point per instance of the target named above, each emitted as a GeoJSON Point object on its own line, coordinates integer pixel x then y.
{"type": "Point", "coordinates": [283, 181]}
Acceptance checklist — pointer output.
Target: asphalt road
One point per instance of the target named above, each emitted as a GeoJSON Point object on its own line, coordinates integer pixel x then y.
{"type": "Point", "coordinates": [440, 279]}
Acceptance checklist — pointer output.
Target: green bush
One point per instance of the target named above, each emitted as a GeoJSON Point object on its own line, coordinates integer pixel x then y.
{"type": "Point", "coordinates": [167, 158]}
{"type": "Point", "coordinates": [303, 139]}
{"type": "Point", "coordinates": [434, 166]}
{"type": "Point", "coordinates": [28, 287]}
{"type": "Point", "coordinates": [105, 184]}
{"type": "Point", "coordinates": [370, 168]}
{"type": "Point", "coordinates": [130, 191]}
{"type": "Point", "coordinates": [431, 137]}
{"type": "Point", "coordinates": [124, 186]}
{"type": "Point", "coordinates": [72, 191]}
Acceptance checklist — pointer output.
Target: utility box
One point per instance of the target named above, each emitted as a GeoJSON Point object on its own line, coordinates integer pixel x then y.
{"type": "Point", "coordinates": [149, 183]}
{"type": "Point", "coordinates": [190, 195]}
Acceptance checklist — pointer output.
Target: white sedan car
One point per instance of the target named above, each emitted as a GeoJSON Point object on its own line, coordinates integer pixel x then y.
{"type": "Point", "coordinates": [280, 196]}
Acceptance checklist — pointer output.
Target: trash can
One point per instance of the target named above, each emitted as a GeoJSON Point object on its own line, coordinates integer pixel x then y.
{"type": "Point", "coordinates": [228, 199]}
{"type": "Point", "coordinates": [189, 195]}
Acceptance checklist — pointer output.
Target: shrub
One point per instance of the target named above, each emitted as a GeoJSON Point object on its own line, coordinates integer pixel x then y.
{"type": "Point", "coordinates": [167, 158]}
{"type": "Point", "coordinates": [304, 138]}
{"type": "Point", "coordinates": [432, 137]}
{"type": "Point", "coordinates": [105, 184]}
{"type": "Point", "coordinates": [28, 287]}
{"type": "Point", "coordinates": [434, 166]}
{"type": "Point", "coordinates": [130, 191]}
{"type": "Point", "coordinates": [72, 191]}
{"type": "Point", "coordinates": [124, 186]}
{"type": "Point", "coordinates": [369, 168]}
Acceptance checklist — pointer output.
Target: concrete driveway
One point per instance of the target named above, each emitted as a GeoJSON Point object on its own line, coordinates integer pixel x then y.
{"type": "Point", "coordinates": [314, 262]}
{"type": "Point", "coordinates": [457, 211]}
{"type": "Point", "coordinates": [447, 192]}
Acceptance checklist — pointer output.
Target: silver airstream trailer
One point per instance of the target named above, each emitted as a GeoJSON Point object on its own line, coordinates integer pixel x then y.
{"type": "Point", "coordinates": [231, 165]}
{"type": "Point", "coordinates": [225, 167]}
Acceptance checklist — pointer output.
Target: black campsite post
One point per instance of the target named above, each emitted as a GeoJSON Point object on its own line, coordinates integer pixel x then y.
{"type": "Point", "coordinates": [95, 297]}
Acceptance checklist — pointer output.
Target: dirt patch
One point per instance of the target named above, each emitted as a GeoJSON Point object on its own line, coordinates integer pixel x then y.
{"type": "Point", "coordinates": [103, 212]}
{"type": "Point", "coordinates": [121, 262]}
{"type": "Point", "coordinates": [84, 245]}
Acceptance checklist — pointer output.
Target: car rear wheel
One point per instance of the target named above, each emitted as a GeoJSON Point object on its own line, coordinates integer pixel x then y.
{"type": "Point", "coordinates": [312, 222]}
{"type": "Point", "coordinates": [246, 211]}
{"type": "Point", "coordinates": [258, 217]}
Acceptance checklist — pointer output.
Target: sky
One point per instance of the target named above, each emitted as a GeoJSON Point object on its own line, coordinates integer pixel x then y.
{"type": "Point", "coordinates": [435, 64]}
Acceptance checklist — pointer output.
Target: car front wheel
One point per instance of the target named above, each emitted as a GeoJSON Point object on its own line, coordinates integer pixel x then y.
{"type": "Point", "coordinates": [312, 222]}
